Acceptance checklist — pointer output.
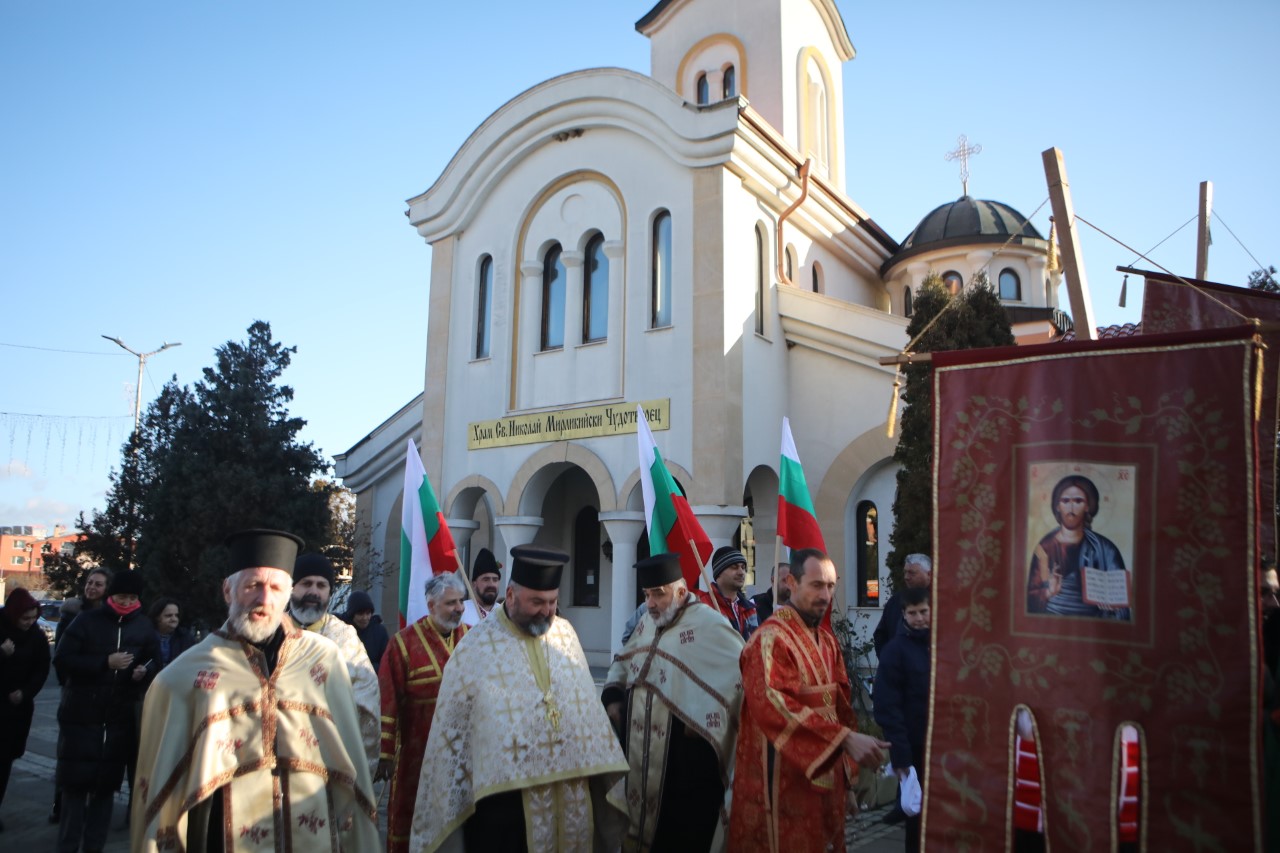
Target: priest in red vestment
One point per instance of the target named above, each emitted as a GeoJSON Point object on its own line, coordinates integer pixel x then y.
{"type": "Point", "coordinates": [409, 679]}
{"type": "Point", "coordinates": [796, 739]}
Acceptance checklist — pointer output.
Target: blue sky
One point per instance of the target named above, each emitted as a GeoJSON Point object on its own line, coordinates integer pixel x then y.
{"type": "Point", "coordinates": [175, 171]}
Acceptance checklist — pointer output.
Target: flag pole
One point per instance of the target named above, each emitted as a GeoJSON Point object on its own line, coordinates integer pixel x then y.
{"type": "Point", "coordinates": [471, 593]}
{"type": "Point", "coordinates": [777, 558]}
{"type": "Point", "coordinates": [706, 576]}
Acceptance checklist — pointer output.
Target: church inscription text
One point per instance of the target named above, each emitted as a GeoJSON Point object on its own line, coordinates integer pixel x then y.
{"type": "Point", "coordinates": [567, 424]}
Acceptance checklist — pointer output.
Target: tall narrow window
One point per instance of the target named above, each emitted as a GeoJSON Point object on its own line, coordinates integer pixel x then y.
{"type": "Point", "coordinates": [730, 82]}
{"type": "Point", "coordinates": [586, 558]}
{"type": "Point", "coordinates": [816, 276]}
{"type": "Point", "coordinates": [553, 283]}
{"type": "Point", "coordinates": [595, 292]}
{"type": "Point", "coordinates": [484, 301]}
{"type": "Point", "coordinates": [907, 308]}
{"type": "Point", "coordinates": [868, 528]}
{"type": "Point", "coordinates": [789, 263]}
{"type": "Point", "coordinates": [704, 90]}
{"type": "Point", "coordinates": [660, 264]}
{"type": "Point", "coordinates": [761, 267]}
{"type": "Point", "coordinates": [1010, 285]}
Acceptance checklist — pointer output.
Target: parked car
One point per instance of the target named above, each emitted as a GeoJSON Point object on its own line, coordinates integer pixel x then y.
{"type": "Point", "coordinates": [50, 613]}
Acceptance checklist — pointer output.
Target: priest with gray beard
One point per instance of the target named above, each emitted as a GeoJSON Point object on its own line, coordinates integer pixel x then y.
{"type": "Point", "coordinates": [673, 693]}
{"type": "Point", "coordinates": [245, 735]}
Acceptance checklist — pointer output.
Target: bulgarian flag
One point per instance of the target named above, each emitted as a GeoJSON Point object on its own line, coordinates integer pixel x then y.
{"type": "Point", "coordinates": [797, 523]}
{"type": "Point", "coordinates": [426, 546]}
{"type": "Point", "coordinates": [672, 524]}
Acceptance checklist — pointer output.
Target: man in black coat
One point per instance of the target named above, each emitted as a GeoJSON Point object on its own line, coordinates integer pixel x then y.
{"type": "Point", "coordinates": [918, 574]}
{"type": "Point", "coordinates": [776, 596]}
{"type": "Point", "coordinates": [368, 625]}
{"type": "Point", "coordinates": [106, 658]}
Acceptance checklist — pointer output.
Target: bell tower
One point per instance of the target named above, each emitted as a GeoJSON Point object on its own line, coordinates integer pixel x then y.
{"type": "Point", "coordinates": [783, 56]}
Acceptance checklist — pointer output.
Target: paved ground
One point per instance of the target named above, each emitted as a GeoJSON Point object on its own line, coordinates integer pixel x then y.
{"type": "Point", "coordinates": [30, 798]}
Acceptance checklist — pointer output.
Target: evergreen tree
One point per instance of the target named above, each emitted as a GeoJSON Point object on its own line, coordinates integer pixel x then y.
{"type": "Point", "coordinates": [974, 319]}
{"type": "Point", "coordinates": [210, 459]}
{"type": "Point", "coordinates": [1264, 279]}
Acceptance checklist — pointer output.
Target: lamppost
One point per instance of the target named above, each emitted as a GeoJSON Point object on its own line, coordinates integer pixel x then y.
{"type": "Point", "coordinates": [142, 363]}
{"type": "Point", "coordinates": [137, 412]}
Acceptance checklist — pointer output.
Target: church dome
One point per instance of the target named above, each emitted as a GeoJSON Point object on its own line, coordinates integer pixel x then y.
{"type": "Point", "coordinates": [963, 222]}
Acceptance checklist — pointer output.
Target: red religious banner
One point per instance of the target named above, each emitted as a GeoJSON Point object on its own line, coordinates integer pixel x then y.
{"type": "Point", "coordinates": [1169, 305]}
{"type": "Point", "coordinates": [1095, 521]}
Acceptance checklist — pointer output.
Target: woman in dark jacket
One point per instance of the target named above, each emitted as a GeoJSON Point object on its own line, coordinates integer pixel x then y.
{"type": "Point", "coordinates": [368, 625]}
{"type": "Point", "coordinates": [173, 637]}
{"type": "Point", "coordinates": [24, 667]}
{"type": "Point", "coordinates": [106, 657]}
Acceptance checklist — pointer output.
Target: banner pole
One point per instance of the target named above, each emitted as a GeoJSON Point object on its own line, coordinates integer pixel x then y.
{"type": "Point", "coordinates": [706, 576]}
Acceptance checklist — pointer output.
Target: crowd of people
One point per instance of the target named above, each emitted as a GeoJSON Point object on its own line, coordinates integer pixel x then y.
{"type": "Point", "coordinates": [724, 723]}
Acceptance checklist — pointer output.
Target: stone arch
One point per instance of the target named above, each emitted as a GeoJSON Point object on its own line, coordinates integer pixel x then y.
{"type": "Point", "coordinates": [631, 497]}
{"type": "Point", "coordinates": [540, 470]}
{"type": "Point", "coordinates": [863, 454]}
{"type": "Point", "coordinates": [467, 492]}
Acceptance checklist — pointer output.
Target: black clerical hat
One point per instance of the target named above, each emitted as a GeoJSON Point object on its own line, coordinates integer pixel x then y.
{"type": "Point", "coordinates": [658, 570]}
{"type": "Point", "coordinates": [260, 548]}
{"type": "Point", "coordinates": [485, 564]}
{"type": "Point", "coordinates": [313, 564]}
{"type": "Point", "coordinates": [537, 568]}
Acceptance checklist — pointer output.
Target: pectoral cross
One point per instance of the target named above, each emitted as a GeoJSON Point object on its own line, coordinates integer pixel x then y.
{"type": "Point", "coordinates": [962, 152]}
{"type": "Point", "coordinates": [553, 710]}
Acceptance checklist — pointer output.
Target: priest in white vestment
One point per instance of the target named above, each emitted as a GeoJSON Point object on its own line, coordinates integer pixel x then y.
{"type": "Point", "coordinates": [313, 583]}
{"type": "Point", "coordinates": [250, 739]}
{"type": "Point", "coordinates": [521, 753]}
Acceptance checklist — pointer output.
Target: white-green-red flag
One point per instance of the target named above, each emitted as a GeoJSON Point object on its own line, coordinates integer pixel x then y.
{"type": "Point", "coordinates": [672, 525]}
{"type": "Point", "coordinates": [426, 545]}
{"type": "Point", "coordinates": [797, 522]}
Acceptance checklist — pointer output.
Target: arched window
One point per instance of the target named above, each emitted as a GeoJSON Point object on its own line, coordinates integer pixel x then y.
{"type": "Point", "coordinates": [868, 533]}
{"type": "Point", "coordinates": [595, 292]}
{"type": "Point", "coordinates": [586, 558]}
{"type": "Point", "coordinates": [907, 308]}
{"type": "Point", "coordinates": [730, 82]}
{"type": "Point", "coordinates": [816, 275]}
{"type": "Point", "coordinates": [1010, 285]}
{"type": "Point", "coordinates": [484, 302]}
{"type": "Point", "coordinates": [553, 284]}
{"type": "Point", "coordinates": [762, 261]}
{"type": "Point", "coordinates": [818, 141]}
{"type": "Point", "coordinates": [789, 263]}
{"type": "Point", "coordinates": [660, 266]}
{"type": "Point", "coordinates": [704, 90]}
{"type": "Point", "coordinates": [953, 281]}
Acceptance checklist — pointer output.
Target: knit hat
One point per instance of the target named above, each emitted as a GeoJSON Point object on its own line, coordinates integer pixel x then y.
{"type": "Point", "coordinates": [313, 564]}
{"type": "Point", "coordinates": [19, 604]}
{"type": "Point", "coordinates": [724, 558]}
{"type": "Point", "coordinates": [260, 548]}
{"type": "Point", "coordinates": [359, 602]}
{"type": "Point", "coordinates": [127, 582]}
{"type": "Point", "coordinates": [485, 564]}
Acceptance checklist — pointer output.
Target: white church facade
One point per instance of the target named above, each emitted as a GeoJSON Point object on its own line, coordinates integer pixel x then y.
{"type": "Point", "coordinates": [678, 241]}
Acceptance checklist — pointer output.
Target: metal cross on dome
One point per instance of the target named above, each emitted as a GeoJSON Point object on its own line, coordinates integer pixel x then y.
{"type": "Point", "coordinates": [962, 152]}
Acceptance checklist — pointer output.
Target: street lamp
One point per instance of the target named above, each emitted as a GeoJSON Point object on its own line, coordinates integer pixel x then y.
{"type": "Point", "coordinates": [142, 363]}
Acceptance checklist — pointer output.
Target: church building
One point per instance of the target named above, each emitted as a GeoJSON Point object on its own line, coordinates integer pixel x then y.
{"type": "Point", "coordinates": [678, 241]}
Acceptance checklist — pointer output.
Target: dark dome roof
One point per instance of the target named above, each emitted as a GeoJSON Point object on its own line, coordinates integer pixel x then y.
{"type": "Point", "coordinates": [963, 222]}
